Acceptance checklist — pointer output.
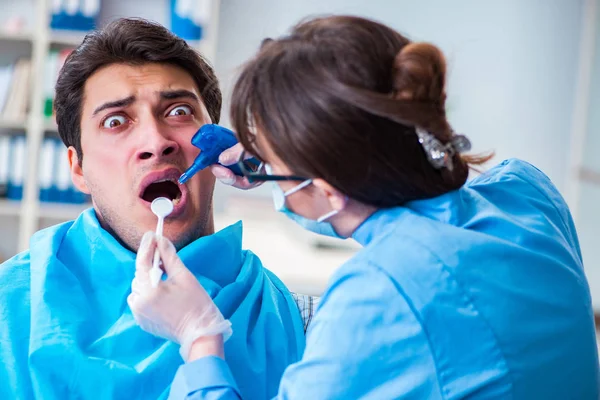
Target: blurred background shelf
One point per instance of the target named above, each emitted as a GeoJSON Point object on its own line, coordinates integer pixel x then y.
{"type": "Point", "coordinates": [16, 124]}
{"type": "Point", "coordinates": [61, 211]}
{"type": "Point", "coordinates": [50, 126]}
{"type": "Point", "coordinates": [10, 207]}
{"type": "Point", "coordinates": [16, 37]}
{"type": "Point", "coordinates": [66, 38]}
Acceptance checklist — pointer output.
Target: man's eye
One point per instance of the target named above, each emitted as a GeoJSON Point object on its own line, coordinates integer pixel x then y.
{"type": "Point", "coordinates": [180, 110]}
{"type": "Point", "coordinates": [114, 121]}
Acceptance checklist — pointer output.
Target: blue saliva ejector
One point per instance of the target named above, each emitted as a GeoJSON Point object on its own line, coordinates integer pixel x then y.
{"type": "Point", "coordinates": [212, 140]}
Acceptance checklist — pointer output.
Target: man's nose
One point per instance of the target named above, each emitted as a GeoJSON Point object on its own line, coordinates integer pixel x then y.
{"type": "Point", "coordinates": [156, 142]}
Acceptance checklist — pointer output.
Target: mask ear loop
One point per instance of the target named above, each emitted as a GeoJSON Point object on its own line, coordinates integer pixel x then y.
{"type": "Point", "coordinates": [298, 187]}
{"type": "Point", "coordinates": [330, 213]}
{"type": "Point", "coordinates": [302, 186]}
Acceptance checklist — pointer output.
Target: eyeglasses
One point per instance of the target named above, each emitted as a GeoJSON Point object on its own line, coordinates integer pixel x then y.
{"type": "Point", "coordinates": [257, 172]}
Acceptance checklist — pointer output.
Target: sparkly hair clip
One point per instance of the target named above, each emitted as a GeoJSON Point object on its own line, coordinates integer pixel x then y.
{"type": "Point", "coordinates": [440, 155]}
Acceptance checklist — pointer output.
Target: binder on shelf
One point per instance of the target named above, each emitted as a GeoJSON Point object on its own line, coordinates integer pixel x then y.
{"type": "Point", "coordinates": [6, 75]}
{"type": "Point", "coordinates": [49, 81]}
{"type": "Point", "coordinates": [17, 98]}
{"type": "Point", "coordinates": [74, 15]}
{"type": "Point", "coordinates": [4, 164]}
{"type": "Point", "coordinates": [17, 167]}
{"type": "Point", "coordinates": [56, 185]}
{"type": "Point", "coordinates": [46, 172]}
{"type": "Point", "coordinates": [189, 18]}
{"type": "Point", "coordinates": [54, 62]}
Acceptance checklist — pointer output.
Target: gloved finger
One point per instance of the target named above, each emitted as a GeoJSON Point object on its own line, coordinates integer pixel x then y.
{"type": "Point", "coordinates": [133, 301]}
{"type": "Point", "coordinates": [140, 286]}
{"type": "Point", "coordinates": [143, 260]}
{"type": "Point", "coordinates": [232, 154]}
{"type": "Point", "coordinates": [172, 264]}
{"type": "Point", "coordinates": [224, 175]}
{"type": "Point", "coordinates": [227, 177]}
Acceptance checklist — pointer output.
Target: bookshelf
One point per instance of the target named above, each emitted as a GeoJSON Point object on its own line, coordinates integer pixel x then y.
{"type": "Point", "coordinates": [65, 38]}
{"type": "Point", "coordinates": [12, 124]}
{"type": "Point", "coordinates": [16, 37]}
{"type": "Point", "coordinates": [36, 41]}
{"type": "Point", "coordinates": [9, 207]}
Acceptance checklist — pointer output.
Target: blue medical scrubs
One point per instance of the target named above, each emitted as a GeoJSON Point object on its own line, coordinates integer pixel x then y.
{"type": "Point", "coordinates": [66, 331]}
{"type": "Point", "coordinates": [478, 294]}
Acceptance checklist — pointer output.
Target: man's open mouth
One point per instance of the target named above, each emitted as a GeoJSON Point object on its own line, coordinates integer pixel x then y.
{"type": "Point", "coordinates": [162, 188]}
{"type": "Point", "coordinates": [162, 184]}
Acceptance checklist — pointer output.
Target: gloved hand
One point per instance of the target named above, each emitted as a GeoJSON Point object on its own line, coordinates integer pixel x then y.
{"type": "Point", "coordinates": [179, 309]}
{"type": "Point", "coordinates": [226, 176]}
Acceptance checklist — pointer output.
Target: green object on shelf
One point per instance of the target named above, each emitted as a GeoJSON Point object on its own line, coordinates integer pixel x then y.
{"type": "Point", "coordinates": [48, 103]}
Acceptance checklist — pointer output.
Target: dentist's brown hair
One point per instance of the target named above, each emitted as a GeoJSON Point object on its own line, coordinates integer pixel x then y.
{"type": "Point", "coordinates": [339, 99]}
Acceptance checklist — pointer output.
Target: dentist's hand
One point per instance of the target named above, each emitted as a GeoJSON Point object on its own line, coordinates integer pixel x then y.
{"type": "Point", "coordinates": [179, 309]}
{"type": "Point", "coordinates": [226, 176]}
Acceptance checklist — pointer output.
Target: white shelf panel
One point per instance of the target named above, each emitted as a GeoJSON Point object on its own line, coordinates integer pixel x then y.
{"type": "Point", "coordinates": [12, 124]}
{"type": "Point", "coordinates": [61, 211]}
{"type": "Point", "coordinates": [10, 207]}
{"type": "Point", "coordinates": [50, 126]}
{"type": "Point", "coordinates": [66, 38]}
{"type": "Point", "coordinates": [589, 176]}
{"type": "Point", "coordinates": [16, 37]}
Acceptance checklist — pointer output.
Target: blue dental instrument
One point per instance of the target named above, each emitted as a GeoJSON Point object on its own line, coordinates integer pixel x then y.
{"type": "Point", "coordinates": [212, 140]}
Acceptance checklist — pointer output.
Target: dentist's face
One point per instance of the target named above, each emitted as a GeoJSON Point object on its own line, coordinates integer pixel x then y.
{"type": "Point", "coordinates": [136, 126]}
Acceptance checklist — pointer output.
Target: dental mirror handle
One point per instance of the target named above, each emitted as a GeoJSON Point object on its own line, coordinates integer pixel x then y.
{"type": "Point", "coordinates": [156, 272]}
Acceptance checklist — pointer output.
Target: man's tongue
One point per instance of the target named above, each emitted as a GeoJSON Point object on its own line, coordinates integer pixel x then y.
{"type": "Point", "coordinates": [166, 189]}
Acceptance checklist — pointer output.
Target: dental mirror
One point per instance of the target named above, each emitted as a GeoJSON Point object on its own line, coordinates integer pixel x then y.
{"type": "Point", "coordinates": [161, 207]}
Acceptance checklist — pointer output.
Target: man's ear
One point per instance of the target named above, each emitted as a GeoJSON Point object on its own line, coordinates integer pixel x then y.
{"type": "Point", "coordinates": [336, 199]}
{"type": "Point", "coordinates": [76, 171]}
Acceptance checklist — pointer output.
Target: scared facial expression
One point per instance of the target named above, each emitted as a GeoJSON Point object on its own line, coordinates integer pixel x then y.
{"type": "Point", "coordinates": [137, 123]}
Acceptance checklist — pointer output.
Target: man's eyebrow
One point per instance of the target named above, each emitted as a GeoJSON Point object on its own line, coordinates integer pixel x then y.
{"type": "Point", "coordinates": [178, 94]}
{"type": "Point", "coordinates": [114, 104]}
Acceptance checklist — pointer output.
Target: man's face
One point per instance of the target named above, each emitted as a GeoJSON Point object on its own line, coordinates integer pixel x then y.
{"type": "Point", "coordinates": [136, 126]}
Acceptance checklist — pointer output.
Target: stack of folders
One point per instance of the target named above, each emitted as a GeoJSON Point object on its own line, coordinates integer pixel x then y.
{"type": "Point", "coordinates": [54, 62]}
{"type": "Point", "coordinates": [77, 15]}
{"type": "Point", "coordinates": [54, 173]}
{"type": "Point", "coordinates": [14, 89]}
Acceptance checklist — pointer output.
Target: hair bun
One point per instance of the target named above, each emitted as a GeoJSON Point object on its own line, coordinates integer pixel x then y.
{"type": "Point", "coordinates": [420, 73]}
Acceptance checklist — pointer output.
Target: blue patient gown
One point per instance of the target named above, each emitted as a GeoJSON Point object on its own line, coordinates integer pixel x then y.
{"type": "Point", "coordinates": [66, 330]}
{"type": "Point", "coordinates": [477, 294]}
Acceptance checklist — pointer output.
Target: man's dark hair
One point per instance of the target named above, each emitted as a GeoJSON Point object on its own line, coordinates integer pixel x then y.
{"type": "Point", "coordinates": [131, 41]}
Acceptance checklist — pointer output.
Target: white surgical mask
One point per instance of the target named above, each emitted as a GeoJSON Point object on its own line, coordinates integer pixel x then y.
{"type": "Point", "coordinates": [319, 226]}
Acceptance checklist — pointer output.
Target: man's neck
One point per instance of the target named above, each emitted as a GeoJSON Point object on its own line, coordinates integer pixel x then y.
{"type": "Point", "coordinates": [207, 228]}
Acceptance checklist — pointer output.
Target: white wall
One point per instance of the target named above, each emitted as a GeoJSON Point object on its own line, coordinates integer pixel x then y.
{"type": "Point", "coordinates": [513, 69]}
{"type": "Point", "coordinates": [512, 63]}
{"type": "Point", "coordinates": [588, 215]}
{"type": "Point", "coordinates": [18, 8]}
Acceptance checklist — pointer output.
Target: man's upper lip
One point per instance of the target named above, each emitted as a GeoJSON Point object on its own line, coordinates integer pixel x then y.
{"type": "Point", "coordinates": [172, 174]}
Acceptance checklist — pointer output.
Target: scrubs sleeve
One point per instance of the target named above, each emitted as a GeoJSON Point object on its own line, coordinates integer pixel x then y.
{"type": "Point", "coordinates": [206, 378]}
{"type": "Point", "coordinates": [364, 342]}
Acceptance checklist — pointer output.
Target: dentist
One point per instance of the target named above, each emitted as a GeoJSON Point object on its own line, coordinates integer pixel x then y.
{"type": "Point", "coordinates": [463, 289]}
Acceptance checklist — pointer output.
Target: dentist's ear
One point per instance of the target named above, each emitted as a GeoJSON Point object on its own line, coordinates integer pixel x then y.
{"type": "Point", "coordinates": [76, 171]}
{"type": "Point", "coordinates": [337, 199]}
